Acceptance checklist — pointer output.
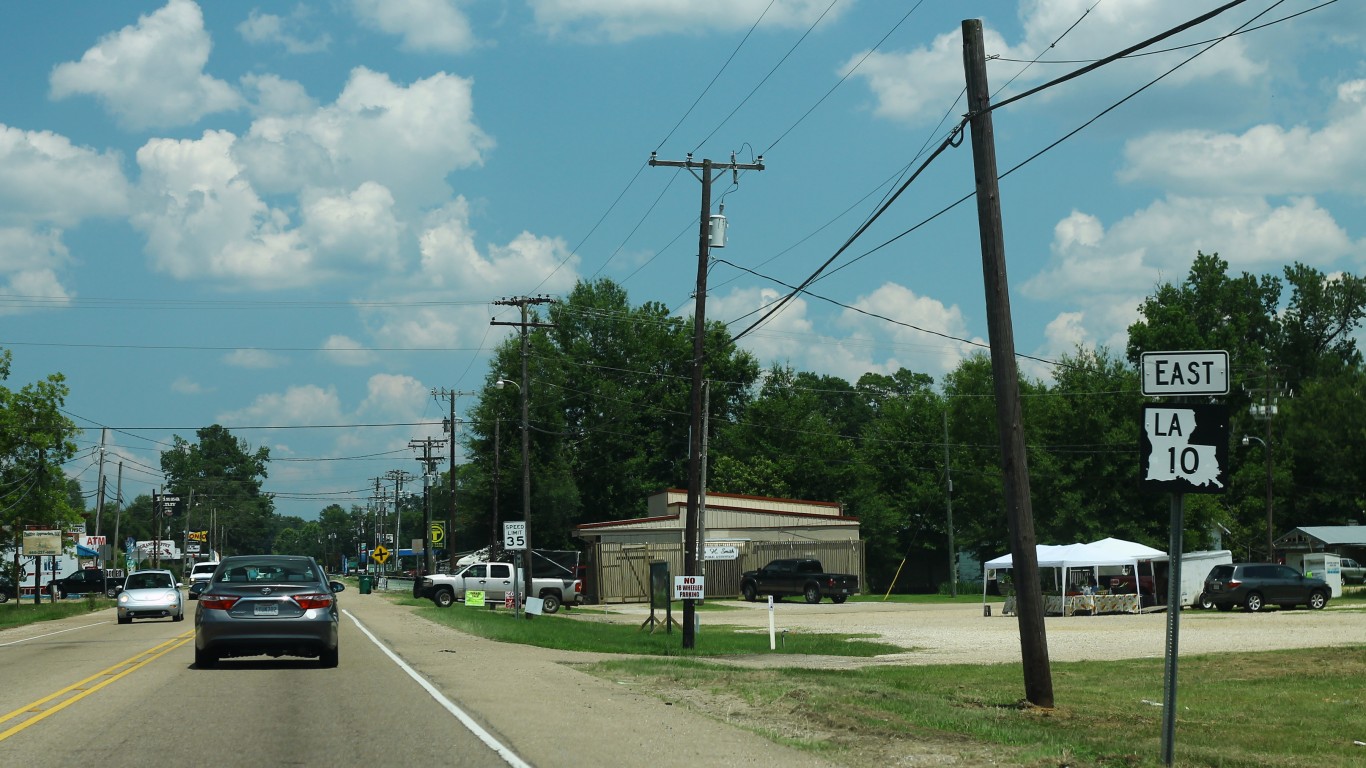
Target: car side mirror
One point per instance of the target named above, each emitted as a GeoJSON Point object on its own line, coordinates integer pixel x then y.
{"type": "Point", "coordinates": [336, 586]}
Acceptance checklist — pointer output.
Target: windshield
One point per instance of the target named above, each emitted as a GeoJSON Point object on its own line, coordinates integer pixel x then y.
{"type": "Point", "coordinates": [150, 581]}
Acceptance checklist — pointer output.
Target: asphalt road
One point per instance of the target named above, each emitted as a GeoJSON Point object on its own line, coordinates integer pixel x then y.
{"type": "Point", "coordinates": [87, 691]}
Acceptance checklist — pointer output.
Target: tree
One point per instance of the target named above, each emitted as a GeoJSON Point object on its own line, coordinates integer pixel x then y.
{"type": "Point", "coordinates": [224, 471]}
{"type": "Point", "coordinates": [36, 439]}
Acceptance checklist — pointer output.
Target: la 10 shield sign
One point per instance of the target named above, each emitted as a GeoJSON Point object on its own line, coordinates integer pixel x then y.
{"type": "Point", "coordinates": [1184, 448]}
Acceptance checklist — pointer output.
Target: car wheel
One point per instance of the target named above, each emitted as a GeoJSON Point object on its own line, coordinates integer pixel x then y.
{"type": "Point", "coordinates": [1224, 606]}
{"type": "Point", "coordinates": [550, 602]}
{"type": "Point", "coordinates": [812, 594]}
{"type": "Point", "coordinates": [1254, 602]}
{"type": "Point", "coordinates": [178, 617]}
{"type": "Point", "coordinates": [750, 593]}
{"type": "Point", "coordinates": [111, 593]}
{"type": "Point", "coordinates": [204, 659]}
{"type": "Point", "coordinates": [1317, 600]}
{"type": "Point", "coordinates": [125, 619]}
{"type": "Point", "coordinates": [4, 597]}
{"type": "Point", "coordinates": [443, 598]}
{"type": "Point", "coordinates": [329, 658]}
{"type": "Point", "coordinates": [1204, 602]}
{"type": "Point", "coordinates": [837, 599]}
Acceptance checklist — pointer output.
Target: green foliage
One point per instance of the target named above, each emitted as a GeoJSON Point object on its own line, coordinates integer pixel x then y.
{"type": "Point", "coordinates": [36, 439]}
{"type": "Point", "coordinates": [222, 474]}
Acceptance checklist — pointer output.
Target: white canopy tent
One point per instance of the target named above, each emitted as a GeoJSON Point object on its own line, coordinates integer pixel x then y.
{"type": "Point", "coordinates": [1104, 552]}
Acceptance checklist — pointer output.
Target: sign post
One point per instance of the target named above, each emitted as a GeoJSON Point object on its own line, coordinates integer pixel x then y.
{"type": "Point", "coordinates": [1183, 449]}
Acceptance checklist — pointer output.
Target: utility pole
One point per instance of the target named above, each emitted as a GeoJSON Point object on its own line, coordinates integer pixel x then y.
{"type": "Point", "coordinates": [1014, 465]}
{"type": "Point", "coordinates": [428, 467]}
{"type": "Point", "coordinates": [398, 476]}
{"type": "Point", "coordinates": [524, 302]}
{"type": "Point", "coordinates": [449, 395]}
{"type": "Point", "coordinates": [698, 361]}
{"type": "Point", "coordinates": [497, 462]}
{"type": "Point", "coordinates": [99, 497]}
{"type": "Point", "coordinates": [948, 502]}
{"type": "Point", "coordinates": [1265, 411]}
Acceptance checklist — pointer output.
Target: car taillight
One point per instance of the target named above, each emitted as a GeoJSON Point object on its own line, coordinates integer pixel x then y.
{"type": "Point", "coordinates": [578, 587]}
{"type": "Point", "coordinates": [1233, 583]}
{"type": "Point", "coordinates": [319, 600]}
{"type": "Point", "coordinates": [218, 602]}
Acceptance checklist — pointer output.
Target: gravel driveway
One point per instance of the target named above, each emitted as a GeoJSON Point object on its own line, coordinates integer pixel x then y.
{"type": "Point", "coordinates": [961, 634]}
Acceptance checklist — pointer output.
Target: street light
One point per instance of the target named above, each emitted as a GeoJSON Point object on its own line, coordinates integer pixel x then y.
{"type": "Point", "coordinates": [526, 469]}
{"type": "Point", "coordinates": [1270, 528]}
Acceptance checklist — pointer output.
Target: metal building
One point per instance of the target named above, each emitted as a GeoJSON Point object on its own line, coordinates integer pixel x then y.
{"type": "Point", "coordinates": [738, 533]}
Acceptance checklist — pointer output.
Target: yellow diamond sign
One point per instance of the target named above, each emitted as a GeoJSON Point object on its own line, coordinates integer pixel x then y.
{"type": "Point", "coordinates": [380, 554]}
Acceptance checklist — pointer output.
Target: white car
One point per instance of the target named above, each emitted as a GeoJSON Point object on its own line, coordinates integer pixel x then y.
{"type": "Point", "coordinates": [150, 595]}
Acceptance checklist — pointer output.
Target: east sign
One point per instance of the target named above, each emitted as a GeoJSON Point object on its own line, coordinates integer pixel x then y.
{"type": "Point", "coordinates": [1203, 372]}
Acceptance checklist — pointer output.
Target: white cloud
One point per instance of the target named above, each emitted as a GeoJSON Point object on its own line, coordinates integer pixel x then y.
{"type": "Point", "coordinates": [307, 404]}
{"type": "Point", "coordinates": [29, 261]}
{"type": "Point", "coordinates": [621, 20]}
{"type": "Point", "coordinates": [151, 73]}
{"type": "Point", "coordinates": [274, 96]}
{"type": "Point", "coordinates": [1106, 274]}
{"type": "Point", "coordinates": [343, 350]}
{"type": "Point", "coordinates": [400, 397]}
{"type": "Point", "coordinates": [204, 221]}
{"type": "Point", "coordinates": [917, 86]}
{"type": "Point", "coordinates": [359, 226]}
{"type": "Point", "coordinates": [424, 26]}
{"type": "Point", "coordinates": [44, 177]}
{"type": "Point", "coordinates": [1265, 159]}
{"type": "Point", "coordinates": [451, 258]}
{"type": "Point", "coordinates": [407, 139]}
{"type": "Point", "coordinates": [268, 28]}
{"type": "Point", "coordinates": [184, 385]}
{"type": "Point", "coordinates": [253, 358]}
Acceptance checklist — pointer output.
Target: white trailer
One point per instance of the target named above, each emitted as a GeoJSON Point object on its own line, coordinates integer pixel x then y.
{"type": "Point", "coordinates": [1195, 566]}
{"type": "Point", "coordinates": [1320, 565]}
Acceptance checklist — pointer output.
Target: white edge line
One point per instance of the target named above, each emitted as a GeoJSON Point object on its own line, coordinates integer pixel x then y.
{"type": "Point", "coordinates": [50, 634]}
{"type": "Point", "coordinates": [504, 752]}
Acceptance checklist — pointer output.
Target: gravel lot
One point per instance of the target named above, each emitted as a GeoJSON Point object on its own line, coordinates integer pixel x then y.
{"type": "Point", "coordinates": [960, 634]}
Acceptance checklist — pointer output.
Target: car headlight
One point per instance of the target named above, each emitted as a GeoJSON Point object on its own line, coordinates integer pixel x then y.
{"type": "Point", "coordinates": [123, 597]}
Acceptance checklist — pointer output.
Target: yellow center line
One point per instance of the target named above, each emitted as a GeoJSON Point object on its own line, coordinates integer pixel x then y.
{"type": "Point", "coordinates": [76, 691]}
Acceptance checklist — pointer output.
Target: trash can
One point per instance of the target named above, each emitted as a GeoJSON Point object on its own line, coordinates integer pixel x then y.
{"type": "Point", "coordinates": [364, 584]}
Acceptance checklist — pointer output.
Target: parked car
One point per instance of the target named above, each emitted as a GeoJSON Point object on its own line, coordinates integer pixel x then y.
{"type": "Point", "coordinates": [89, 581]}
{"type": "Point", "coordinates": [150, 595]}
{"type": "Point", "coordinates": [805, 577]}
{"type": "Point", "coordinates": [1352, 572]}
{"type": "Point", "coordinates": [6, 586]}
{"type": "Point", "coordinates": [1256, 585]}
{"type": "Point", "coordinates": [272, 605]}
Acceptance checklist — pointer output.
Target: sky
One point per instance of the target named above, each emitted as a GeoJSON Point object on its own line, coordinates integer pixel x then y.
{"type": "Point", "coordinates": [294, 219]}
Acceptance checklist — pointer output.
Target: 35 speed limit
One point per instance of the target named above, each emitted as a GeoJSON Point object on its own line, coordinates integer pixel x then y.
{"type": "Point", "coordinates": [514, 535]}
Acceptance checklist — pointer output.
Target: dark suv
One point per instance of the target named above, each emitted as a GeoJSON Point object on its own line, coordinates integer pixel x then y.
{"type": "Point", "coordinates": [1256, 585]}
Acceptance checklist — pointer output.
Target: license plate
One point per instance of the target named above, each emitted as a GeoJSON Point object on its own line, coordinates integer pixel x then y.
{"type": "Point", "coordinates": [267, 609]}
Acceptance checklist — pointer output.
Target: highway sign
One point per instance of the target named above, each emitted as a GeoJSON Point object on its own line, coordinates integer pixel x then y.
{"type": "Point", "coordinates": [514, 534]}
{"type": "Point", "coordinates": [1184, 448]}
{"type": "Point", "coordinates": [1203, 372]}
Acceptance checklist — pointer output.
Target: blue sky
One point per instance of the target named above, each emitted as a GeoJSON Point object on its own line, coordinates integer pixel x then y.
{"type": "Point", "coordinates": [297, 215]}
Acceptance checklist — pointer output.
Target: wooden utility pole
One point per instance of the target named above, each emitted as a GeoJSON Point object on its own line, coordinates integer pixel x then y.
{"type": "Point", "coordinates": [1014, 466]}
{"type": "Point", "coordinates": [698, 360]}
{"type": "Point", "coordinates": [449, 395]}
{"type": "Point", "coordinates": [524, 302]}
{"type": "Point", "coordinates": [428, 467]}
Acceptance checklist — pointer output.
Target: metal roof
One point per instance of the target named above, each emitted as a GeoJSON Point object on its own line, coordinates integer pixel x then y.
{"type": "Point", "coordinates": [1329, 535]}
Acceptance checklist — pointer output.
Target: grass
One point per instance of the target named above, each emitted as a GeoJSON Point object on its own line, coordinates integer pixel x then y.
{"type": "Point", "coordinates": [17, 613]}
{"type": "Point", "coordinates": [584, 633]}
{"type": "Point", "coordinates": [1283, 709]}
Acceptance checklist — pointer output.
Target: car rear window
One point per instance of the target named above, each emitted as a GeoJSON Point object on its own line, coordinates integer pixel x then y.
{"type": "Point", "coordinates": [1221, 573]}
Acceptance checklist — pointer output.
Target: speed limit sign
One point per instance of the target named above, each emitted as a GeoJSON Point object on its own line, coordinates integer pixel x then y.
{"type": "Point", "coordinates": [514, 535]}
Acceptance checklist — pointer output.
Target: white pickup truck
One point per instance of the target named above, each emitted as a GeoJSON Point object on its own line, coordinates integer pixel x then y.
{"type": "Point", "coordinates": [496, 581]}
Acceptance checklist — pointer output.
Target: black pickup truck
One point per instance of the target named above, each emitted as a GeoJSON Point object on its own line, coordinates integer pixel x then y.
{"type": "Point", "coordinates": [90, 581]}
{"type": "Point", "coordinates": [797, 577]}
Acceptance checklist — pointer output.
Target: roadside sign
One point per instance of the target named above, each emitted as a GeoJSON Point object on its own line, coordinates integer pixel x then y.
{"type": "Point", "coordinates": [514, 534]}
{"type": "Point", "coordinates": [720, 552]}
{"type": "Point", "coordinates": [690, 588]}
{"type": "Point", "coordinates": [437, 532]}
{"type": "Point", "coordinates": [1184, 449]}
{"type": "Point", "coordinates": [1203, 372]}
{"type": "Point", "coordinates": [379, 554]}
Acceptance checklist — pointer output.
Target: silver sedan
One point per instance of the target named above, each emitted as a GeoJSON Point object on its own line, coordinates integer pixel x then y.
{"type": "Point", "coordinates": [267, 605]}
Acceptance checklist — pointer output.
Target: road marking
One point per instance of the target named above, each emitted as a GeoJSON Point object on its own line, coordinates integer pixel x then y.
{"type": "Point", "coordinates": [73, 693]}
{"type": "Point", "coordinates": [50, 634]}
{"type": "Point", "coordinates": [498, 747]}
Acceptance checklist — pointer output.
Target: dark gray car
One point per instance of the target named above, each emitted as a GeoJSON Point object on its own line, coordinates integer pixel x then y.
{"type": "Point", "coordinates": [1257, 585]}
{"type": "Point", "coordinates": [271, 605]}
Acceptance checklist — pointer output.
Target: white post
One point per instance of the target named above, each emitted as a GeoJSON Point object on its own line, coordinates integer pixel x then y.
{"type": "Point", "coordinates": [772, 641]}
